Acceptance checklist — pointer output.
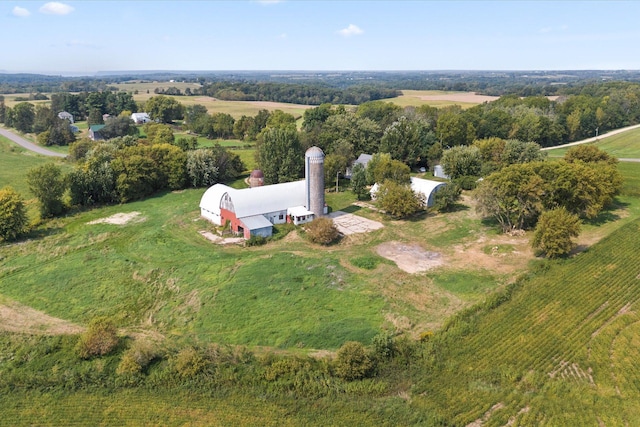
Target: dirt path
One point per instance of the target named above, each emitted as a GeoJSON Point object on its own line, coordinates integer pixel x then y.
{"type": "Point", "coordinates": [29, 145]}
{"type": "Point", "coordinates": [15, 317]}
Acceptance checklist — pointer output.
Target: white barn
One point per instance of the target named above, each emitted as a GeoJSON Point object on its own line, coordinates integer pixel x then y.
{"type": "Point", "coordinates": [253, 211]}
{"type": "Point", "coordinates": [426, 187]}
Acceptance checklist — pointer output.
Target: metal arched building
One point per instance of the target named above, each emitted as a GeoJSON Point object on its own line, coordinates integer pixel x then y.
{"type": "Point", "coordinates": [253, 211]}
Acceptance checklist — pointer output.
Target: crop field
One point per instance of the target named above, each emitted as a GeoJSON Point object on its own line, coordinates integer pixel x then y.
{"type": "Point", "coordinates": [622, 145]}
{"type": "Point", "coordinates": [560, 352]}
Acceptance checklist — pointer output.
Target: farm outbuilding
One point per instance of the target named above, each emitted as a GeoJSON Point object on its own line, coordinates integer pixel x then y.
{"type": "Point", "coordinates": [140, 118]}
{"type": "Point", "coordinates": [253, 211]}
{"type": "Point", "coordinates": [426, 187]}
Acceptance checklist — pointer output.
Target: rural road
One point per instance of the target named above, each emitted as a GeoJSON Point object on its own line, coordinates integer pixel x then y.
{"type": "Point", "coordinates": [29, 145]}
{"type": "Point", "coordinates": [597, 138]}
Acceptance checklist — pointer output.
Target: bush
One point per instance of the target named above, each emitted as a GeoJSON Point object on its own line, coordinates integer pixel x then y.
{"type": "Point", "coordinates": [188, 363]}
{"type": "Point", "coordinates": [353, 362]}
{"type": "Point", "coordinates": [383, 346]}
{"type": "Point", "coordinates": [467, 182]}
{"type": "Point", "coordinates": [322, 231]}
{"type": "Point", "coordinates": [446, 197]}
{"type": "Point", "coordinates": [256, 241]}
{"type": "Point", "coordinates": [554, 231]}
{"type": "Point", "coordinates": [136, 358]}
{"type": "Point", "coordinates": [100, 339]}
{"type": "Point", "coordinates": [13, 215]}
{"type": "Point", "coordinates": [399, 200]}
{"type": "Point", "coordinates": [367, 262]}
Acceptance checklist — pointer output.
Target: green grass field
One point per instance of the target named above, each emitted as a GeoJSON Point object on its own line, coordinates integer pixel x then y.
{"type": "Point", "coordinates": [15, 161]}
{"type": "Point", "coordinates": [623, 145]}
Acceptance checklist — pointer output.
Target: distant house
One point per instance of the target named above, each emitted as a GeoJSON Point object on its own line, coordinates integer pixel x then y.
{"type": "Point", "coordinates": [66, 116]}
{"type": "Point", "coordinates": [426, 187]}
{"type": "Point", "coordinates": [140, 118]}
{"type": "Point", "coordinates": [363, 159]}
{"type": "Point", "coordinates": [94, 132]}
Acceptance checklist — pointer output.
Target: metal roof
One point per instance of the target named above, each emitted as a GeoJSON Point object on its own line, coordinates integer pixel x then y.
{"type": "Point", "coordinates": [255, 222]}
{"type": "Point", "coordinates": [257, 200]}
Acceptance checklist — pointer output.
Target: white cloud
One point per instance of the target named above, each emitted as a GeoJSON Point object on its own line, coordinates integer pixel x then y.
{"type": "Point", "coordinates": [546, 30]}
{"type": "Point", "coordinates": [20, 11]}
{"type": "Point", "coordinates": [56, 8]}
{"type": "Point", "coordinates": [282, 36]}
{"type": "Point", "coordinates": [268, 2]}
{"type": "Point", "coordinates": [351, 30]}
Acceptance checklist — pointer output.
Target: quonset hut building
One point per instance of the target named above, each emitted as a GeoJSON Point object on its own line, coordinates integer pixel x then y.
{"type": "Point", "coordinates": [253, 211]}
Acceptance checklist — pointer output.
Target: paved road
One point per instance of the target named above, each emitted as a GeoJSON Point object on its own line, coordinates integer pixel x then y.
{"type": "Point", "coordinates": [29, 145]}
{"type": "Point", "coordinates": [597, 138]}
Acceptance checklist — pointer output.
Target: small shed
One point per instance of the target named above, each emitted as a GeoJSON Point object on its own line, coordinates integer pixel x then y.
{"type": "Point", "coordinates": [438, 172]}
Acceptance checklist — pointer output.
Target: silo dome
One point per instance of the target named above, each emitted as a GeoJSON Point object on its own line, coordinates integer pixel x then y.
{"type": "Point", "coordinates": [314, 153]}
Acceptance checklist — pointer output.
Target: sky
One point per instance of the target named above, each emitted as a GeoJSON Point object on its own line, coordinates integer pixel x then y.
{"type": "Point", "coordinates": [84, 37]}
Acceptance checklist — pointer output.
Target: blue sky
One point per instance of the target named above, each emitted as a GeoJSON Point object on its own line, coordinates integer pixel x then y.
{"type": "Point", "coordinates": [84, 37]}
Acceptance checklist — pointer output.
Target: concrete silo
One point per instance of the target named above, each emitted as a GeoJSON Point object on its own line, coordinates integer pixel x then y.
{"type": "Point", "coordinates": [314, 180]}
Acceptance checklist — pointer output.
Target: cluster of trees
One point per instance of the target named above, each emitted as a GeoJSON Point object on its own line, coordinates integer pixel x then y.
{"type": "Point", "coordinates": [580, 186]}
{"type": "Point", "coordinates": [39, 119]}
{"type": "Point", "coordinates": [124, 169]}
{"type": "Point", "coordinates": [97, 104]}
{"type": "Point", "coordinates": [118, 170]}
{"type": "Point", "coordinates": [308, 94]}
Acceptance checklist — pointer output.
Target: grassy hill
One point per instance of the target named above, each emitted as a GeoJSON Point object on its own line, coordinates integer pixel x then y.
{"type": "Point", "coordinates": [622, 145]}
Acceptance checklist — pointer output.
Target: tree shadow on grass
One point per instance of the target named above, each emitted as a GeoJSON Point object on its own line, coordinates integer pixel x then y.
{"type": "Point", "coordinates": [351, 209]}
{"type": "Point", "coordinates": [457, 207]}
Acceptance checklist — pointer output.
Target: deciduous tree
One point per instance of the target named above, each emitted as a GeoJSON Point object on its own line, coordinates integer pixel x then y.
{"type": "Point", "coordinates": [13, 215]}
{"type": "Point", "coordinates": [554, 232]}
{"type": "Point", "coordinates": [47, 183]}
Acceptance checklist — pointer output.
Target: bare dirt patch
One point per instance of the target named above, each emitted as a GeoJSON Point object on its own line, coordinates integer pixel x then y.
{"type": "Point", "coordinates": [220, 240]}
{"type": "Point", "coordinates": [15, 317]}
{"type": "Point", "coordinates": [410, 257]}
{"type": "Point", "coordinates": [120, 219]}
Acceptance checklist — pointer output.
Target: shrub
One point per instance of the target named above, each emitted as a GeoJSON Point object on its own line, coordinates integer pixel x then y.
{"type": "Point", "coordinates": [322, 231]}
{"type": "Point", "coordinates": [188, 363]}
{"type": "Point", "coordinates": [398, 200]}
{"type": "Point", "coordinates": [554, 231]}
{"type": "Point", "coordinates": [136, 358]}
{"type": "Point", "coordinates": [367, 262]}
{"type": "Point", "coordinates": [467, 182]}
{"type": "Point", "coordinates": [353, 362]}
{"type": "Point", "coordinates": [100, 339]}
{"type": "Point", "coordinates": [383, 346]}
{"type": "Point", "coordinates": [13, 215]}
{"type": "Point", "coordinates": [256, 241]}
{"type": "Point", "coordinates": [446, 197]}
